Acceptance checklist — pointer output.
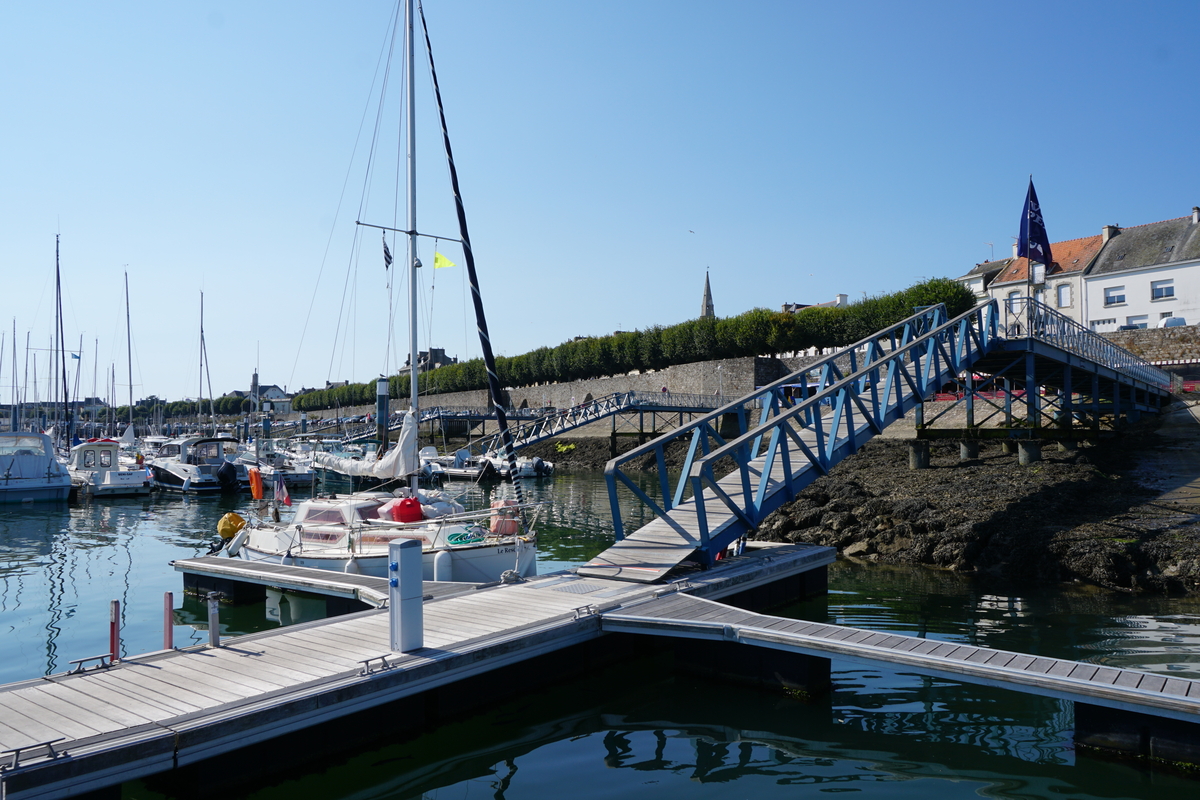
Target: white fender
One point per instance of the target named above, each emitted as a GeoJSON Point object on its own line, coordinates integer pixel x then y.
{"type": "Point", "coordinates": [235, 544]}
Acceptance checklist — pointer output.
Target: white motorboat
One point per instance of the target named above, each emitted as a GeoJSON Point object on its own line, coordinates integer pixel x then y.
{"type": "Point", "coordinates": [95, 467]}
{"type": "Point", "coordinates": [352, 533]}
{"type": "Point", "coordinates": [29, 472]}
{"type": "Point", "coordinates": [197, 464]}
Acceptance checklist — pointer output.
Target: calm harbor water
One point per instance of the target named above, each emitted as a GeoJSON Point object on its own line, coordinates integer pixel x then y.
{"type": "Point", "coordinates": [635, 731]}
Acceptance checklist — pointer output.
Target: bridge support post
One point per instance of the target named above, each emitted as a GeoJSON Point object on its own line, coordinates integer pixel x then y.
{"type": "Point", "coordinates": [918, 454]}
{"type": "Point", "coordinates": [968, 449]}
{"type": "Point", "coordinates": [1029, 451]}
{"type": "Point", "coordinates": [1113, 731]}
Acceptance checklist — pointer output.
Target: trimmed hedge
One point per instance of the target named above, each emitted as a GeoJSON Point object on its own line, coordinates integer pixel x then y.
{"type": "Point", "coordinates": [754, 333]}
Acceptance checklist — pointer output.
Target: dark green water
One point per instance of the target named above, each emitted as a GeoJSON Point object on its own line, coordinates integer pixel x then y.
{"type": "Point", "coordinates": [635, 731]}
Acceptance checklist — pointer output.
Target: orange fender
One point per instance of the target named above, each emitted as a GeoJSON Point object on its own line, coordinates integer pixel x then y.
{"type": "Point", "coordinates": [256, 489]}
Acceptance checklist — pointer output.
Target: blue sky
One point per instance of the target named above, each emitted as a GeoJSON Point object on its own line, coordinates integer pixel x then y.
{"type": "Point", "coordinates": [609, 153]}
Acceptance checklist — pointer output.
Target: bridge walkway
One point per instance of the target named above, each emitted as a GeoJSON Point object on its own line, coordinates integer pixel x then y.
{"type": "Point", "coordinates": [809, 421]}
{"type": "Point", "coordinates": [682, 615]}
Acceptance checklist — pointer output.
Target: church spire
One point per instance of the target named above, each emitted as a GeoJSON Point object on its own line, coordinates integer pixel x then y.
{"type": "Point", "coordinates": [706, 305]}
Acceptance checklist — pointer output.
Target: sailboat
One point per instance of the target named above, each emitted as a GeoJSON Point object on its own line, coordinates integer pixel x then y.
{"type": "Point", "coordinates": [352, 533]}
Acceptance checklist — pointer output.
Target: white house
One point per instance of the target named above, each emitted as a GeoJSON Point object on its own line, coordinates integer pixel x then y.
{"type": "Point", "coordinates": [1145, 274]}
{"type": "Point", "coordinates": [1057, 285]}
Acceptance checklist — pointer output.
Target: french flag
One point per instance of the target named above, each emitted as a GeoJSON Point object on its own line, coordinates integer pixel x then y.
{"type": "Point", "coordinates": [281, 492]}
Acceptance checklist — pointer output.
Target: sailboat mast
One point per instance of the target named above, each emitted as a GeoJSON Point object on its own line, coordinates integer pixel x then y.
{"type": "Point", "coordinates": [16, 397]}
{"type": "Point", "coordinates": [409, 24]}
{"type": "Point", "coordinates": [129, 347]}
{"type": "Point", "coordinates": [200, 392]}
{"type": "Point", "coordinates": [61, 341]}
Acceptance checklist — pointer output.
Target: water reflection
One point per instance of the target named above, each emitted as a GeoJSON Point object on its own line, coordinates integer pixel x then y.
{"type": "Point", "coordinates": [642, 735]}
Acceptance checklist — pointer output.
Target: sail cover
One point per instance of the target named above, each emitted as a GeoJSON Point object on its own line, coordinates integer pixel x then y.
{"type": "Point", "coordinates": [401, 460]}
{"type": "Point", "coordinates": [127, 437]}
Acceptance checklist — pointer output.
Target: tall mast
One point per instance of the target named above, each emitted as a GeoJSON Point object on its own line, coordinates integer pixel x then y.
{"type": "Point", "coordinates": [200, 393]}
{"type": "Point", "coordinates": [409, 24]}
{"type": "Point", "coordinates": [15, 396]}
{"type": "Point", "coordinates": [61, 341]}
{"type": "Point", "coordinates": [129, 347]}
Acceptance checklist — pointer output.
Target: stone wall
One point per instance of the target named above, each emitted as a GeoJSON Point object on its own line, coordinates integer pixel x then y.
{"type": "Point", "coordinates": [1174, 349]}
{"type": "Point", "coordinates": [731, 377]}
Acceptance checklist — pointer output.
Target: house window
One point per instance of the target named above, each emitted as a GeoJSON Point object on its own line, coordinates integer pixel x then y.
{"type": "Point", "coordinates": [1013, 297]}
{"type": "Point", "coordinates": [1097, 324]}
{"type": "Point", "coordinates": [1040, 295]}
{"type": "Point", "coordinates": [1064, 295]}
{"type": "Point", "coordinates": [1140, 321]}
{"type": "Point", "coordinates": [1162, 290]}
{"type": "Point", "coordinates": [1114, 295]}
{"type": "Point", "coordinates": [1166, 314]}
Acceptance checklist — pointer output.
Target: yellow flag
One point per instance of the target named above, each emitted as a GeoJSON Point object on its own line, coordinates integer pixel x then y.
{"type": "Point", "coordinates": [440, 261]}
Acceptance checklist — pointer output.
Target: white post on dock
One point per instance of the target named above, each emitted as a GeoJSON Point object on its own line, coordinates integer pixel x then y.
{"type": "Point", "coordinates": [405, 593]}
{"type": "Point", "coordinates": [114, 630]}
{"type": "Point", "coordinates": [214, 619]}
{"type": "Point", "coordinates": [168, 621]}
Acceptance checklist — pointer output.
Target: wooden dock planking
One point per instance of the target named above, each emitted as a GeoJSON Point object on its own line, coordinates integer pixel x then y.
{"type": "Point", "coordinates": [1071, 680]}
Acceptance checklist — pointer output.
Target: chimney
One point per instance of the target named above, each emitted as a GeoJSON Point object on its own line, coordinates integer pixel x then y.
{"type": "Point", "coordinates": [1109, 232]}
{"type": "Point", "coordinates": [1014, 249]}
{"type": "Point", "coordinates": [1195, 214]}
{"type": "Point", "coordinates": [842, 299]}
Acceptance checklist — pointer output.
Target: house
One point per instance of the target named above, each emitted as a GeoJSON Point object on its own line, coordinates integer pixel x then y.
{"type": "Point", "coordinates": [978, 279]}
{"type": "Point", "coordinates": [837, 302]}
{"type": "Point", "coordinates": [1058, 285]}
{"type": "Point", "coordinates": [1145, 274]}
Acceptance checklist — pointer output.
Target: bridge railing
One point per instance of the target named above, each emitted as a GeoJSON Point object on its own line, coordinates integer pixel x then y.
{"type": "Point", "coordinates": [878, 366]}
{"type": "Point", "coordinates": [1023, 318]}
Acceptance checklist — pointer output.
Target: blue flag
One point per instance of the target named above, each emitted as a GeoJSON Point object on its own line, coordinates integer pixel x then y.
{"type": "Point", "coordinates": [1033, 242]}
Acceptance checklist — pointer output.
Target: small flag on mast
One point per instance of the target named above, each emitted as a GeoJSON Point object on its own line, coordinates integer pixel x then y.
{"type": "Point", "coordinates": [1033, 242]}
{"type": "Point", "coordinates": [440, 261]}
{"type": "Point", "coordinates": [281, 492]}
{"type": "Point", "coordinates": [387, 258]}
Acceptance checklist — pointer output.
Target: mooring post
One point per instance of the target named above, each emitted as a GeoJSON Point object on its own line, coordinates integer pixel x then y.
{"type": "Point", "coordinates": [918, 454]}
{"type": "Point", "coordinates": [382, 392]}
{"type": "Point", "coordinates": [114, 630]}
{"type": "Point", "coordinates": [169, 621]}
{"type": "Point", "coordinates": [214, 619]}
{"type": "Point", "coordinates": [405, 595]}
{"type": "Point", "coordinates": [304, 422]}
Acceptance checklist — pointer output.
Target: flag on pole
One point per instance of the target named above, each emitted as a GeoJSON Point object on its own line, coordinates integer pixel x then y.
{"type": "Point", "coordinates": [387, 258]}
{"type": "Point", "coordinates": [1033, 242]}
{"type": "Point", "coordinates": [281, 492]}
{"type": "Point", "coordinates": [76, 355]}
{"type": "Point", "coordinates": [440, 261]}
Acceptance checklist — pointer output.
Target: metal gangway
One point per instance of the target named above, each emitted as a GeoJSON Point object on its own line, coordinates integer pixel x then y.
{"type": "Point", "coordinates": [796, 429]}
{"type": "Point", "coordinates": [558, 421]}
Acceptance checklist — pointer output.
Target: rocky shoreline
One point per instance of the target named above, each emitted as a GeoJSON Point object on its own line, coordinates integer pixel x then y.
{"type": "Point", "coordinates": [1087, 516]}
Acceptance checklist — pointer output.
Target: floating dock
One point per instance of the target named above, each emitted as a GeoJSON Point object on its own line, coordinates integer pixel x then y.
{"type": "Point", "coordinates": [70, 733]}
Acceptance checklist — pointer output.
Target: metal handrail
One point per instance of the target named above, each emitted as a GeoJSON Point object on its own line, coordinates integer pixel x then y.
{"type": "Point", "coordinates": [880, 391]}
{"type": "Point", "coordinates": [769, 401]}
{"type": "Point", "coordinates": [1026, 318]}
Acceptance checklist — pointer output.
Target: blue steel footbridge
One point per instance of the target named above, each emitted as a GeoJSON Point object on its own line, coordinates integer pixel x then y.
{"type": "Point", "coordinates": [1051, 377]}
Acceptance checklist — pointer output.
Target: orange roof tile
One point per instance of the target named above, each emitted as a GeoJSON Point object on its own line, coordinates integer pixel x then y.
{"type": "Point", "coordinates": [1070, 256]}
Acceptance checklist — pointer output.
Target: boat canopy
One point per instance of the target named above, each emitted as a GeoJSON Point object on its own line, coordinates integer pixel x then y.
{"type": "Point", "coordinates": [401, 460]}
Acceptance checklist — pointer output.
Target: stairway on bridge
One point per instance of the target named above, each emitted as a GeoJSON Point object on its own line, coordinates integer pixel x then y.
{"type": "Point", "coordinates": [797, 428]}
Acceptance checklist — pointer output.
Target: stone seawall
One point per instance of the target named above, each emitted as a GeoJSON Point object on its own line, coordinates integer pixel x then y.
{"type": "Point", "coordinates": [1174, 349]}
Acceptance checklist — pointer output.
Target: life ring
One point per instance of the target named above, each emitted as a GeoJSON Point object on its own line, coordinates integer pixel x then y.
{"type": "Point", "coordinates": [256, 483]}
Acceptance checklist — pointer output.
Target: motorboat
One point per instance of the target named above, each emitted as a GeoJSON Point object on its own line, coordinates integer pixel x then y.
{"type": "Point", "coordinates": [29, 471]}
{"type": "Point", "coordinates": [95, 467]}
{"type": "Point", "coordinates": [351, 534]}
{"type": "Point", "coordinates": [197, 464]}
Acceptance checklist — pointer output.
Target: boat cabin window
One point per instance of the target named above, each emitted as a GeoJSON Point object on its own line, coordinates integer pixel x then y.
{"type": "Point", "coordinates": [106, 458]}
{"type": "Point", "coordinates": [22, 446]}
{"type": "Point", "coordinates": [201, 453]}
{"type": "Point", "coordinates": [169, 450]}
{"type": "Point", "coordinates": [368, 512]}
{"type": "Point", "coordinates": [89, 458]}
{"type": "Point", "coordinates": [329, 516]}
